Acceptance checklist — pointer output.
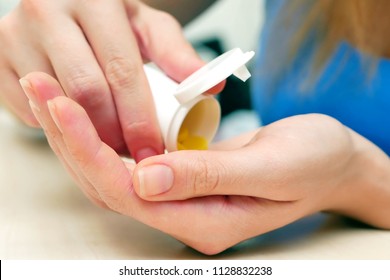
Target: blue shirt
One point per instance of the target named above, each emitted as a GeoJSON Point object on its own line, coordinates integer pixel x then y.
{"type": "Point", "coordinates": [345, 88]}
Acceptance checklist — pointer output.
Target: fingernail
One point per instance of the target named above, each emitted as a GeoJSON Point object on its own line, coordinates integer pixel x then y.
{"type": "Point", "coordinates": [155, 179]}
{"type": "Point", "coordinates": [144, 153]}
{"type": "Point", "coordinates": [29, 92]}
{"type": "Point", "coordinates": [53, 114]}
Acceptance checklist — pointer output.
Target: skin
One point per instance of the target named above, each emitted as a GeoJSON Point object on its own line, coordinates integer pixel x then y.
{"type": "Point", "coordinates": [96, 51]}
{"type": "Point", "coordinates": [241, 188]}
{"type": "Point", "coordinates": [210, 200]}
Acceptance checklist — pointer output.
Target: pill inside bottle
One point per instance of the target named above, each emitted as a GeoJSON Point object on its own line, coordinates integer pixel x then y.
{"type": "Point", "coordinates": [198, 126]}
{"type": "Point", "coordinates": [186, 141]}
{"type": "Point", "coordinates": [194, 128]}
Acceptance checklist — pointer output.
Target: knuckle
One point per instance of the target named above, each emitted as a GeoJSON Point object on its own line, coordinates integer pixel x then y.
{"type": "Point", "coordinates": [205, 176]}
{"type": "Point", "coordinates": [120, 72]}
{"type": "Point", "coordinates": [86, 89]}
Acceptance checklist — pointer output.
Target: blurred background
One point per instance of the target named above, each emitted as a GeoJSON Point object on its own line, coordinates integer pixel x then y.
{"type": "Point", "coordinates": [225, 25]}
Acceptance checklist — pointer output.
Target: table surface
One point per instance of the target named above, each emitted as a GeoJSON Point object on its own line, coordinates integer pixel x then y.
{"type": "Point", "coordinates": [43, 215]}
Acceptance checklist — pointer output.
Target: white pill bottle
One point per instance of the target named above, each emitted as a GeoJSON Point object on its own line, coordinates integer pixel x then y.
{"type": "Point", "coordinates": [185, 105]}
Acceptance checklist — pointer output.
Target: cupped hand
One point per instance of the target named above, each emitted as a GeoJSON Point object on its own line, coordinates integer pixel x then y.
{"type": "Point", "coordinates": [210, 200]}
{"type": "Point", "coordinates": [96, 50]}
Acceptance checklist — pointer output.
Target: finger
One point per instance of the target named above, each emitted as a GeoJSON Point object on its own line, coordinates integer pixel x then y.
{"type": "Point", "coordinates": [57, 146]}
{"type": "Point", "coordinates": [40, 88]}
{"type": "Point", "coordinates": [19, 55]}
{"type": "Point", "coordinates": [14, 99]}
{"type": "Point", "coordinates": [107, 28]}
{"type": "Point", "coordinates": [99, 163]}
{"type": "Point", "coordinates": [82, 79]}
{"type": "Point", "coordinates": [171, 51]}
{"type": "Point", "coordinates": [248, 171]}
{"type": "Point", "coordinates": [25, 62]}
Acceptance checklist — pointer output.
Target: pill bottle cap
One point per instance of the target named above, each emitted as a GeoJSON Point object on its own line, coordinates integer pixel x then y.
{"type": "Point", "coordinates": [214, 72]}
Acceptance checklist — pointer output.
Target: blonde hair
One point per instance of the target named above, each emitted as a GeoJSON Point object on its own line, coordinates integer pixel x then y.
{"type": "Point", "coordinates": [326, 23]}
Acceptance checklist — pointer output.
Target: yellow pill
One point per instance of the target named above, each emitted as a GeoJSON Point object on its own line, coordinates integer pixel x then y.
{"type": "Point", "coordinates": [193, 142]}
{"type": "Point", "coordinates": [196, 143]}
{"type": "Point", "coordinates": [183, 134]}
{"type": "Point", "coordinates": [180, 146]}
{"type": "Point", "coordinates": [186, 141]}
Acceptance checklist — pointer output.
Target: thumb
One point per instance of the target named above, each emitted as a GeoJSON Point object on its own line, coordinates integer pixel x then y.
{"type": "Point", "coordinates": [186, 174]}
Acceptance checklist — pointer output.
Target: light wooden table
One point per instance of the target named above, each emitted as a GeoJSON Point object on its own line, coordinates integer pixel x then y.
{"type": "Point", "coordinates": [43, 215]}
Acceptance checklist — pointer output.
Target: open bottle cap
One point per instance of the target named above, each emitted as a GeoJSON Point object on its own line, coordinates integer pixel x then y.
{"type": "Point", "coordinates": [229, 63]}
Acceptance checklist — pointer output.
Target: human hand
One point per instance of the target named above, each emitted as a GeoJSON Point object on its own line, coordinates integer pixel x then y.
{"type": "Point", "coordinates": [286, 170]}
{"type": "Point", "coordinates": [245, 187]}
{"type": "Point", "coordinates": [104, 177]}
{"type": "Point", "coordinates": [96, 51]}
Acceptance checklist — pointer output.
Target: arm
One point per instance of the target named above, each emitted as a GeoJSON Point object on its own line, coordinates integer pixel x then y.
{"type": "Point", "coordinates": [366, 192]}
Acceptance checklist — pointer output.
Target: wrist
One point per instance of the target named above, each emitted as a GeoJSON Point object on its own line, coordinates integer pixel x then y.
{"type": "Point", "coordinates": [364, 191]}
